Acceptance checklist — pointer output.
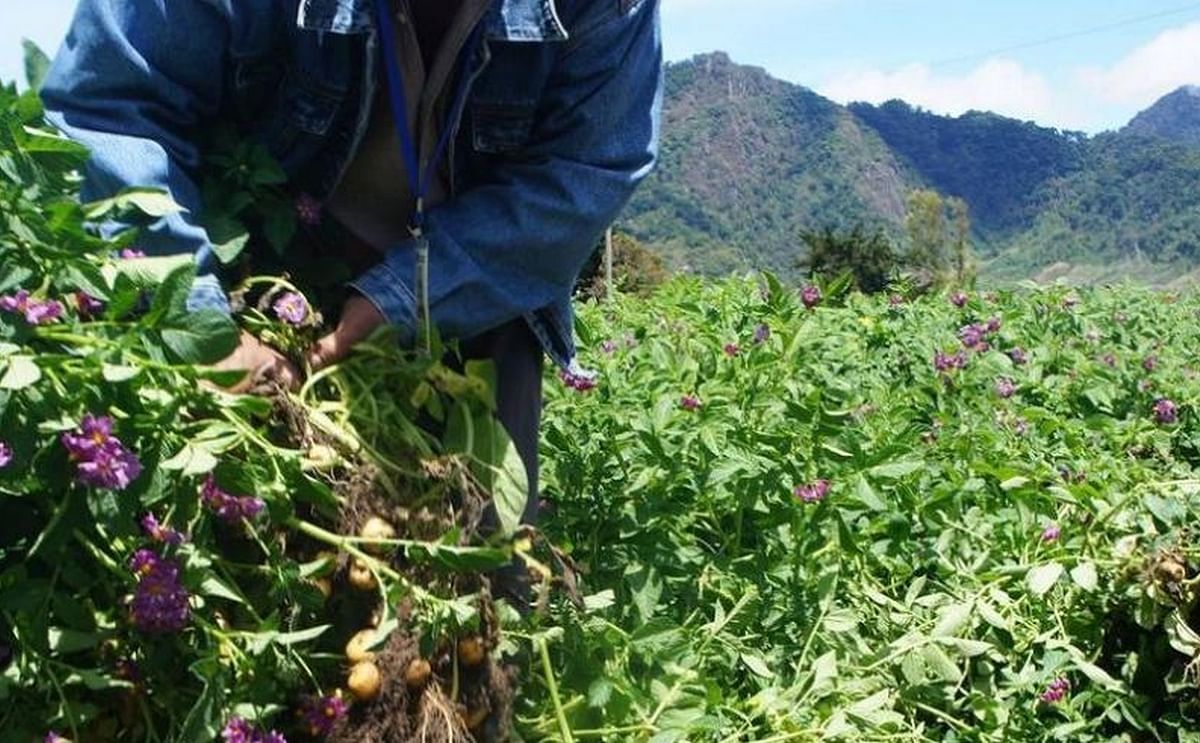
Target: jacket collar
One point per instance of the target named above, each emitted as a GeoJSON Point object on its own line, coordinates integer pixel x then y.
{"type": "Point", "coordinates": [508, 20]}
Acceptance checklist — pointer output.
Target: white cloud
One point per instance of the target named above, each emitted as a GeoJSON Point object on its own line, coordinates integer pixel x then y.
{"type": "Point", "coordinates": [1170, 60]}
{"type": "Point", "coordinates": [1000, 85]}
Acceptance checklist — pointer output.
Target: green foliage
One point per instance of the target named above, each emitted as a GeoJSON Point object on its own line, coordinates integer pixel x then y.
{"type": "Point", "coordinates": [866, 256]}
{"type": "Point", "coordinates": [637, 270]}
{"type": "Point", "coordinates": [921, 599]}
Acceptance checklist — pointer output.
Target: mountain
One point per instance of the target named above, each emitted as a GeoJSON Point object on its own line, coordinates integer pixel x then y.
{"type": "Point", "coordinates": [749, 162]}
{"type": "Point", "coordinates": [1175, 117]}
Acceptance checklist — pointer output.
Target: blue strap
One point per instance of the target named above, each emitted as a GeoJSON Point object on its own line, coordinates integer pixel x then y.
{"type": "Point", "coordinates": [418, 182]}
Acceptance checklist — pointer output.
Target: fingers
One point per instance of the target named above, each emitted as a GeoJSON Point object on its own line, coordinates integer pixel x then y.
{"type": "Point", "coordinates": [277, 372]}
{"type": "Point", "coordinates": [329, 350]}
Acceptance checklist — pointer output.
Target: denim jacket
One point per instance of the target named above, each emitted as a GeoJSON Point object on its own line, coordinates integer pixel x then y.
{"type": "Point", "coordinates": [560, 123]}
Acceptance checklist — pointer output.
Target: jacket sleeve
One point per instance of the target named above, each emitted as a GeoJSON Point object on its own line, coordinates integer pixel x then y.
{"type": "Point", "coordinates": [133, 81]}
{"type": "Point", "coordinates": [516, 243]}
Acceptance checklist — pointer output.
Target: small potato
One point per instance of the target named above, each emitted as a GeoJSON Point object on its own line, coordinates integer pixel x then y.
{"type": "Point", "coordinates": [365, 681]}
{"type": "Point", "coordinates": [324, 585]}
{"type": "Point", "coordinates": [472, 719]}
{"type": "Point", "coordinates": [359, 647]}
{"type": "Point", "coordinates": [417, 674]}
{"type": "Point", "coordinates": [361, 577]}
{"type": "Point", "coordinates": [471, 651]}
{"type": "Point", "coordinates": [376, 528]}
{"type": "Point", "coordinates": [321, 458]}
{"type": "Point", "coordinates": [1170, 570]}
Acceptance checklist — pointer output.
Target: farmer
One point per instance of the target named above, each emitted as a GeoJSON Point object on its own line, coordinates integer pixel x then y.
{"type": "Point", "coordinates": [483, 143]}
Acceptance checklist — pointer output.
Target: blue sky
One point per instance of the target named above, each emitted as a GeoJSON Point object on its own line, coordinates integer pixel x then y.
{"type": "Point", "coordinates": [946, 55]}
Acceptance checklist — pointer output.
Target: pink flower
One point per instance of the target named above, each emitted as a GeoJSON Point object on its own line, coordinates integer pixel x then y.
{"type": "Point", "coordinates": [732, 349]}
{"type": "Point", "coordinates": [229, 508]}
{"type": "Point", "coordinates": [812, 492]}
{"type": "Point", "coordinates": [6, 455]}
{"type": "Point", "coordinates": [161, 532]}
{"type": "Point", "coordinates": [810, 296]}
{"type": "Point", "coordinates": [101, 460]}
{"type": "Point", "coordinates": [1056, 692]}
{"type": "Point", "coordinates": [87, 306]}
{"type": "Point", "coordinates": [578, 380]}
{"type": "Point", "coordinates": [959, 299]}
{"type": "Point", "coordinates": [291, 308]}
{"type": "Point", "coordinates": [1051, 533]}
{"type": "Point", "coordinates": [1018, 356]}
{"type": "Point", "coordinates": [690, 402]}
{"type": "Point", "coordinates": [945, 363]}
{"type": "Point", "coordinates": [1166, 412]}
{"type": "Point", "coordinates": [308, 210]}
{"type": "Point", "coordinates": [608, 347]}
{"type": "Point", "coordinates": [132, 253]}
{"type": "Point", "coordinates": [320, 714]}
{"type": "Point", "coordinates": [1005, 388]}
{"type": "Point", "coordinates": [896, 300]}
{"type": "Point", "coordinates": [1150, 363]}
{"type": "Point", "coordinates": [35, 311]}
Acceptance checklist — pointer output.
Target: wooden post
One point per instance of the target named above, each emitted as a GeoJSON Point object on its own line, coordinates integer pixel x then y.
{"type": "Point", "coordinates": [608, 264]}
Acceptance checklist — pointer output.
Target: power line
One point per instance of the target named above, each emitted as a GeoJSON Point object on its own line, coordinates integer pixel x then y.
{"type": "Point", "coordinates": [1068, 36]}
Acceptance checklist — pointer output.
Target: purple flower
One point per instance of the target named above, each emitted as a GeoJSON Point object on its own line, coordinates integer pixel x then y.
{"type": "Point", "coordinates": [1005, 388]}
{"type": "Point", "coordinates": [1021, 426]}
{"type": "Point", "coordinates": [578, 380]}
{"type": "Point", "coordinates": [1018, 356]}
{"type": "Point", "coordinates": [762, 333]}
{"type": "Point", "coordinates": [238, 730]}
{"type": "Point", "coordinates": [1166, 412]}
{"type": "Point", "coordinates": [1150, 363]}
{"type": "Point", "coordinates": [87, 306]}
{"type": "Point", "coordinates": [896, 300]}
{"type": "Point", "coordinates": [959, 299]}
{"type": "Point", "coordinates": [972, 336]}
{"type": "Point", "coordinates": [690, 402]}
{"type": "Point", "coordinates": [812, 492]}
{"type": "Point", "coordinates": [993, 325]}
{"type": "Point", "coordinates": [229, 508]}
{"type": "Point", "coordinates": [320, 714]}
{"type": "Point", "coordinates": [1109, 359]}
{"type": "Point", "coordinates": [1056, 691]}
{"type": "Point", "coordinates": [810, 296]}
{"type": "Point", "coordinates": [101, 460]}
{"type": "Point", "coordinates": [53, 737]}
{"type": "Point", "coordinates": [35, 311]}
{"type": "Point", "coordinates": [1051, 533]}
{"type": "Point", "coordinates": [945, 363]}
{"type": "Point", "coordinates": [732, 350]}
{"type": "Point", "coordinates": [128, 253]}
{"type": "Point", "coordinates": [291, 308]}
{"type": "Point", "coordinates": [161, 532]}
{"type": "Point", "coordinates": [160, 603]}
{"type": "Point", "coordinates": [308, 210]}
{"type": "Point", "coordinates": [608, 346]}
{"type": "Point", "coordinates": [6, 455]}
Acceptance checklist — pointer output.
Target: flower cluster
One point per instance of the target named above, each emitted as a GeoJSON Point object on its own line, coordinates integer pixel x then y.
{"type": "Point", "coordinates": [101, 460]}
{"type": "Point", "coordinates": [1005, 388]}
{"type": "Point", "coordinates": [578, 381]}
{"type": "Point", "coordinates": [812, 492]}
{"type": "Point", "coordinates": [161, 532]}
{"type": "Point", "coordinates": [811, 296]}
{"type": "Point", "coordinates": [1057, 691]}
{"type": "Point", "coordinates": [762, 333]}
{"type": "Point", "coordinates": [291, 308]}
{"type": "Point", "coordinates": [1109, 359]}
{"type": "Point", "coordinates": [944, 362]}
{"type": "Point", "coordinates": [308, 210]}
{"type": "Point", "coordinates": [959, 299]}
{"type": "Point", "coordinates": [1018, 356]}
{"type": "Point", "coordinates": [160, 603]}
{"type": "Point", "coordinates": [129, 253]}
{"type": "Point", "coordinates": [237, 730]}
{"type": "Point", "coordinates": [1166, 412]}
{"type": "Point", "coordinates": [732, 350]}
{"type": "Point", "coordinates": [975, 337]}
{"type": "Point", "coordinates": [320, 714]}
{"type": "Point", "coordinates": [229, 508]}
{"type": "Point", "coordinates": [35, 311]}
{"type": "Point", "coordinates": [690, 402]}
{"type": "Point", "coordinates": [6, 455]}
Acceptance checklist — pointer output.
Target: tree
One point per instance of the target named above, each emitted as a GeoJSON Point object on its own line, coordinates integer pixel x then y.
{"type": "Point", "coordinates": [636, 269]}
{"type": "Point", "coordinates": [939, 239]}
{"type": "Point", "coordinates": [867, 256]}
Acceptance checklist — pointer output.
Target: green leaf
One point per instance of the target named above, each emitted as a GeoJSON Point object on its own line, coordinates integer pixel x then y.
{"type": "Point", "coordinates": [757, 665]}
{"type": "Point", "coordinates": [203, 723]}
{"type": "Point", "coordinates": [1043, 577]}
{"type": "Point", "coordinates": [940, 664]}
{"type": "Point", "coordinates": [212, 586]}
{"type": "Point", "coordinates": [897, 470]}
{"type": "Point", "coordinates": [209, 337]}
{"type": "Point", "coordinates": [951, 620]}
{"type": "Point", "coordinates": [21, 372]}
{"type": "Point", "coordinates": [229, 237]}
{"type": "Point", "coordinates": [510, 492]}
{"type": "Point", "coordinates": [37, 64]}
{"type": "Point", "coordinates": [115, 374]}
{"type": "Point", "coordinates": [294, 638]}
{"type": "Point", "coordinates": [152, 202]}
{"type": "Point", "coordinates": [1084, 575]}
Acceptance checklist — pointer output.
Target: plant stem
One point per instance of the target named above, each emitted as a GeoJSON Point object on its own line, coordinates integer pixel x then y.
{"type": "Point", "coordinates": [563, 726]}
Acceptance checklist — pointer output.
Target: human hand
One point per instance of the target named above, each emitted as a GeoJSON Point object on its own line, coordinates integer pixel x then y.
{"type": "Point", "coordinates": [261, 363]}
{"type": "Point", "coordinates": [359, 320]}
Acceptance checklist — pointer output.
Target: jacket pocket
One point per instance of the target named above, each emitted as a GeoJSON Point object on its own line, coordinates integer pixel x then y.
{"type": "Point", "coordinates": [500, 128]}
